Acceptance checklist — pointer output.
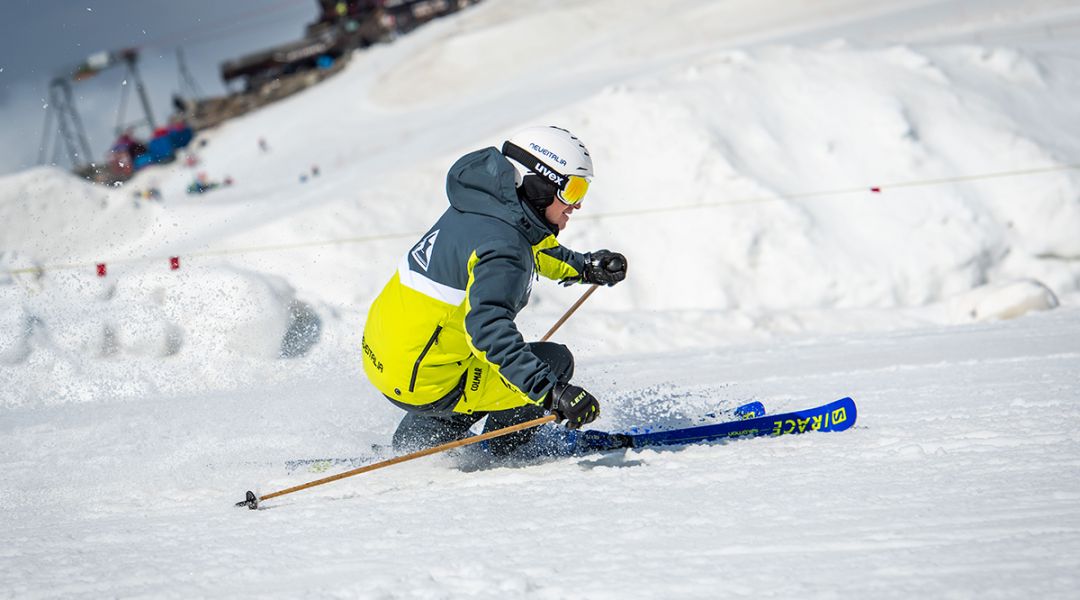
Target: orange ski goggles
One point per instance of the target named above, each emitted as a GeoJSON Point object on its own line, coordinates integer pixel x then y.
{"type": "Point", "coordinates": [570, 189]}
{"type": "Point", "coordinates": [574, 192]}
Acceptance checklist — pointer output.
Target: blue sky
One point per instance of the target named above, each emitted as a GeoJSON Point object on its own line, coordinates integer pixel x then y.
{"type": "Point", "coordinates": [42, 38]}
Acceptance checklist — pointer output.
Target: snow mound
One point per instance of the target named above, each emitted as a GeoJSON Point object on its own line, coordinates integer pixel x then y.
{"type": "Point", "coordinates": [206, 318]}
{"type": "Point", "coordinates": [224, 310]}
{"type": "Point", "coordinates": [732, 151]}
{"type": "Point", "coordinates": [1006, 300]}
{"type": "Point", "coordinates": [47, 215]}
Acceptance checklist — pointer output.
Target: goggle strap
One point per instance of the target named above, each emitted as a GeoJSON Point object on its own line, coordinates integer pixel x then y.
{"type": "Point", "coordinates": [532, 163]}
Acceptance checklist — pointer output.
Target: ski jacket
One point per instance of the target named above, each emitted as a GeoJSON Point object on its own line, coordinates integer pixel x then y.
{"type": "Point", "coordinates": [457, 291]}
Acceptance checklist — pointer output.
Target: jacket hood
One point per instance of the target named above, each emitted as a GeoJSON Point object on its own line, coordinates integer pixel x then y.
{"type": "Point", "coordinates": [482, 182]}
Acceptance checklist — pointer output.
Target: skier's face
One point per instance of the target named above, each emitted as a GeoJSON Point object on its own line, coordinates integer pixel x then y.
{"type": "Point", "coordinates": [558, 214]}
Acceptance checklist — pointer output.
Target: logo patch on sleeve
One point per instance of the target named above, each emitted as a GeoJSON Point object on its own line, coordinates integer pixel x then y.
{"type": "Point", "coordinates": [421, 253]}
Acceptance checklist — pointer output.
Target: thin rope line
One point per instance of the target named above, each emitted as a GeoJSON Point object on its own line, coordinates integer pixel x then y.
{"type": "Point", "coordinates": [41, 269]}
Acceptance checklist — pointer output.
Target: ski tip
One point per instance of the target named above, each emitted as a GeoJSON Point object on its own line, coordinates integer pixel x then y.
{"type": "Point", "coordinates": [844, 414]}
{"type": "Point", "coordinates": [750, 410]}
{"type": "Point", "coordinates": [251, 501]}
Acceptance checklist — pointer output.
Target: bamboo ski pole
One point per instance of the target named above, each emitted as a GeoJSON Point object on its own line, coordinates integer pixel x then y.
{"type": "Point", "coordinates": [252, 501]}
{"type": "Point", "coordinates": [570, 311]}
{"type": "Point", "coordinates": [616, 264]}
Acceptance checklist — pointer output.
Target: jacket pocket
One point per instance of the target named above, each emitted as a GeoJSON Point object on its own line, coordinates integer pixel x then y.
{"type": "Point", "coordinates": [416, 366]}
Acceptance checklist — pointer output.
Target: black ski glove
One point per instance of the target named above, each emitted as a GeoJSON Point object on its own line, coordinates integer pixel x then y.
{"type": "Point", "coordinates": [573, 404]}
{"type": "Point", "coordinates": [604, 267]}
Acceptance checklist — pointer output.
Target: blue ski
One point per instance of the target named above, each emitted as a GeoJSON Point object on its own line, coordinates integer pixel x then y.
{"type": "Point", "coordinates": [835, 416]}
{"type": "Point", "coordinates": [562, 442]}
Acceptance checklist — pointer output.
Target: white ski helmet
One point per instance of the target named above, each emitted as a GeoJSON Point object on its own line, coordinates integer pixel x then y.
{"type": "Point", "coordinates": [553, 155]}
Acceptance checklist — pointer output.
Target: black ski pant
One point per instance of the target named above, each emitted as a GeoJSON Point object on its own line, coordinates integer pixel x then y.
{"type": "Point", "coordinates": [424, 427]}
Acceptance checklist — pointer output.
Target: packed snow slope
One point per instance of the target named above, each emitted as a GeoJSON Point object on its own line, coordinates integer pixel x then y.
{"type": "Point", "coordinates": [960, 480]}
{"type": "Point", "coordinates": [876, 199]}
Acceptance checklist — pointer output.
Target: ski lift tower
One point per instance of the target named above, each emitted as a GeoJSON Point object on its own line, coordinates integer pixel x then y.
{"type": "Point", "coordinates": [70, 131]}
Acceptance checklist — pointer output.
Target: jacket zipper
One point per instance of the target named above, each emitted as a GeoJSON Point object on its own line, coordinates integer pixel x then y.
{"type": "Point", "coordinates": [423, 353]}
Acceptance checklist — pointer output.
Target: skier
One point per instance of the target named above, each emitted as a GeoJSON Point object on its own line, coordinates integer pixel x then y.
{"type": "Point", "coordinates": [440, 340]}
